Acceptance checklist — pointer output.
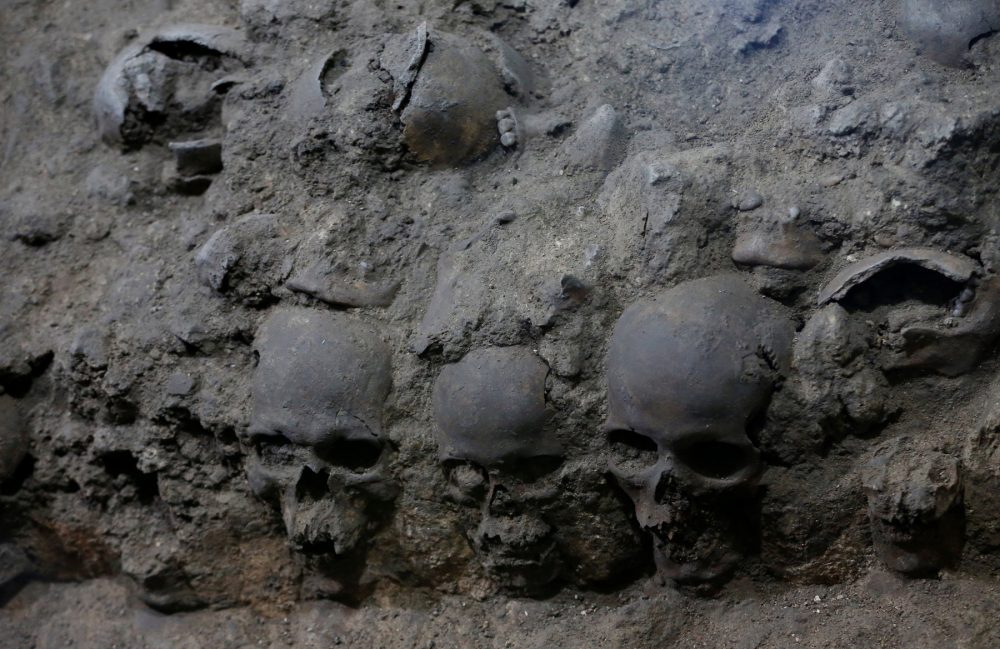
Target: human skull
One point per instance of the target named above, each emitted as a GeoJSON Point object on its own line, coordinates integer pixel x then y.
{"type": "Point", "coordinates": [424, 96]}
{"type": "Point", "coordinates": [168, 88]}
{"type": "Point", "coordinates": [915, 507]}
{"type": "Point", "coordinates": [317, 446]}
{"type": "Point", "coordinates": [688, 372]}
{"type": "Point", "coordinates": [499, 456]}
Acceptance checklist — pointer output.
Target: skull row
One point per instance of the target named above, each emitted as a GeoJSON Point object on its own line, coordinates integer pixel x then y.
{"type": "Point", "coordinates": [688, 372]}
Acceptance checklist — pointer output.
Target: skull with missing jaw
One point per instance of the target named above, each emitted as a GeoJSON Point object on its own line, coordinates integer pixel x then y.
{"type": "Point", "coordinates": [689, 372]}
{"type": "Point", "coordinates": [317, 446]}
{"type": "Point", "coordinates": [915, 507]}
{"type": "Point", "coordinates": [499, 456]}
{"type": "Point", "coordinates": [168, 88]}
{"type": "Point", "coordinates": [424, 96]}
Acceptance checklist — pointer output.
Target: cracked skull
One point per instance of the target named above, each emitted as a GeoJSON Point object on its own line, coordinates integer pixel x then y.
{"type": "Point", "coordinates": [499, 456]}
{"type": "Point", "coordinates": [425, 96]}
{"type": "Point", "coordinates": [318, 450]}
{"type": "Point", "coordinates": [689, 372]}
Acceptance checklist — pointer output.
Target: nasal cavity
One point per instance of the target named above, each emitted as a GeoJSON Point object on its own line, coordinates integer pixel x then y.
{"type": "Point", "coordinates": [312, 485]}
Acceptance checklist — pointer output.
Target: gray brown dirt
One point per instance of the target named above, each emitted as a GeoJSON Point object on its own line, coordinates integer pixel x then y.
{"type": "Point", "coordinates": [586, 156]}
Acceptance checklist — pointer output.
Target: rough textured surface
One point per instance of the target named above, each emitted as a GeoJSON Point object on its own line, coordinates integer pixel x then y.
{"type": "Point", "coordinates": [227, 297]}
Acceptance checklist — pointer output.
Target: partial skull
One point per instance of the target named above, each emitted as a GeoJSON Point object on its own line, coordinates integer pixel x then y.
{"type": "Point", "coordinates": [317, 446]}
{"type": "Point", "coordinates": [915, 506]}
{"type": "Point", "coordinates": [167, 85]}
{"type": "Point", "coordinates": [689, 373]}
{"type": "Point", "coordinates": [945, 31]}
{"type": "Point", "coordinates": [425, 95]}
{"type": "Point", "coordinates": [168, 89]}
{"type": "Point", "coordinates": [450, 115]}
{"type": "Point", "coordinates": [500, 457]}
{"type": "Point", "coordinates": [941, 311]}
{"type": "Point", "coordinates": [246, 260]}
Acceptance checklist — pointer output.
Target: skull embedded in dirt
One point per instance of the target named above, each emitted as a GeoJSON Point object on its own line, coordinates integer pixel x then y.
{"type": "Point", "coordinates": [915, 507]}
{"type": "Point", "coordinates": [318, 449]}
{"type": "Point", "coordinates": [688, 373]}
{"type": "Point", "coordinates": [499, 456]}
{"type": "Point", "coordinates": [424, 96]}
{"type": "Point", "coordinates": [168, 88]}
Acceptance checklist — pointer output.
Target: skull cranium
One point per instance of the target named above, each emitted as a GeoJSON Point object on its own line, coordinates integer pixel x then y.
{"type": "Point", "coordinates": [318, 449]}
{"type": "Point", "coordinates": [688, 372]}
{"type": "Point", "coordinates": [499, 456]}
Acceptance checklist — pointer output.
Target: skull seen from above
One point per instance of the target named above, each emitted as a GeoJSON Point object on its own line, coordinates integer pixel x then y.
{"type": "Point", "coordinates": [689, 373]}
{"type": "Point", "coordinates": [317, 446]}
{"type": "Point", "coordinates": [500, 457]}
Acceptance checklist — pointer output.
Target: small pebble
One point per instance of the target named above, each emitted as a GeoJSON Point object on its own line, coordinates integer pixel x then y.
{"type": "Point", "coordinates": [748, 201]}
{"type": "Point", "coordinates": [179, 384]}
{"type": "Point", "coordinates": [508, 139]}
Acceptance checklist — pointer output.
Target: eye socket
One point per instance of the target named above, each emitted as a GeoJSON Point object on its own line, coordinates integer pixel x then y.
{"type": "Point", "coordinates": [467, 481]}
{"type": "Point", "coordinates": [271, 446]}
{"type": "Point", "coordinates": [354, 454]}
{"type": "Point", "coordinates": [632, 452]}
{"type": "Point", "coordinates": [532, 469]}
{"type": "Point", "coordinates": [714, 459]}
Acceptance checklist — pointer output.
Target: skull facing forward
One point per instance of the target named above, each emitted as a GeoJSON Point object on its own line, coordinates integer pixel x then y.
{"type": "Point", "coordinates": [689, 373]}
{"type": "Point", "coordinates": [317, 447]}
{"type": "Point", "coordinates": [499, 457]}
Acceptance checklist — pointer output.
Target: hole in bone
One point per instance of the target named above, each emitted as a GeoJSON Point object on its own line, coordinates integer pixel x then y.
{"type": "Point", "coordinates": [714, 459]}
{"type": "Point", "coordinates": [902, 284]}
{"type": "Point", "coordinates": [528, 470]}
{"type": "Point", "coordinates": [312, 485]}
{"type": "Point", "coordinates": [631, 451]}
{"type": "Point", "coordinates": [271, 446]}
{"type": "Point", "coordinates": [353, 454]}
{"type": "Point", "coordinates": [182, 50]}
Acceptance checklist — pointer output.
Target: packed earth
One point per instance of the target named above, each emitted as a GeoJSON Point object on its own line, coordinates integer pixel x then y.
{"type": "Point", "coordinates": [499, 324]}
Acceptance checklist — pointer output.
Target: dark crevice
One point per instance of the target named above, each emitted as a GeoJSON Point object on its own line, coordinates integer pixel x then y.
{"type": "Point", "coordinates": [899, 284]}
{"type": "Point", "coordinates": [981, 37]}
{"type": "Point", "coordinates": [17, 383]}
{"type": "Point", "coordinates": [353, 454]}
{"type": "Point", "coordinates": [312, 486]}
{"type": "Point", "coordinates": [183, 50]}
{"type": "Point", "coordinates": [22, 474]}
{"type": "Point", "coordinates": [123, 463]}
{"type": "Point", "coordinates": [714, 459]}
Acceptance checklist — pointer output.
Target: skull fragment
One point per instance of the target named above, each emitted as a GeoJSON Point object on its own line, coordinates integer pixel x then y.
{"type": "Point", "coordinates": [168, 88]}
{"type": "Point", "coordinates": [317, 446]}
{"type": "Point", "coordinates": [499, 456]}
{"type": "Point", "coordinates": [167, 85]}
{"type": "Point", "coordinates": [689, 372]}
